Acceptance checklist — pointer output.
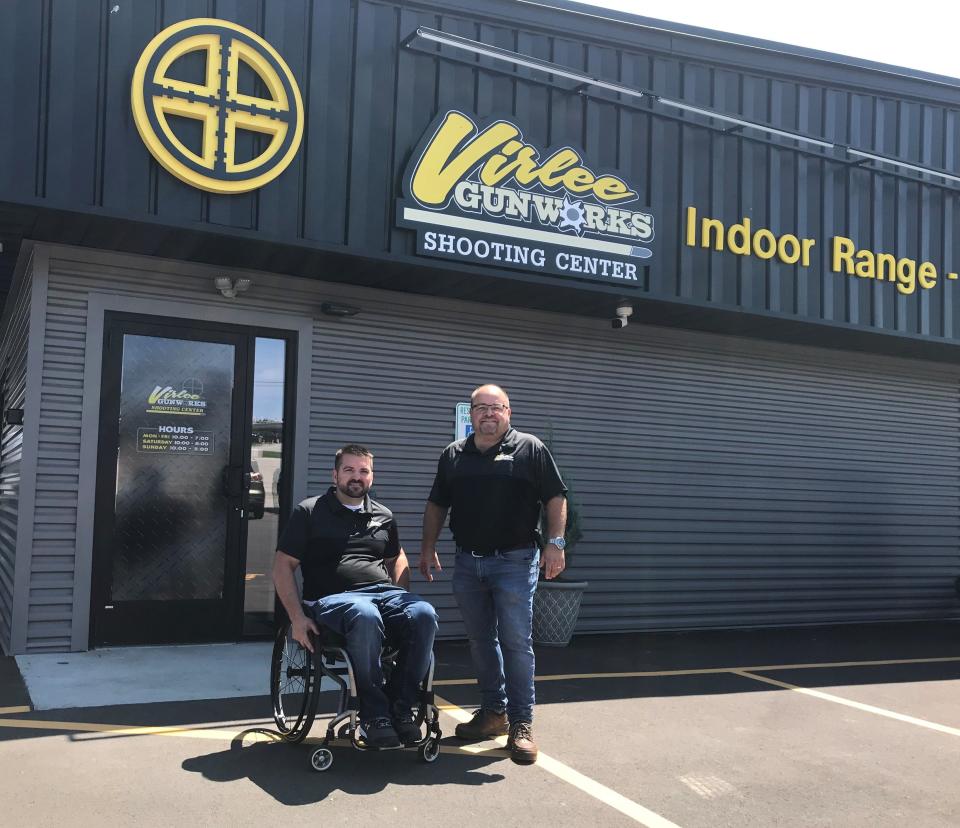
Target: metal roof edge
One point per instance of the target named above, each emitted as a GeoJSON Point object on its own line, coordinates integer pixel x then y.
{"type": "Point", "coordinates": [685, 30]}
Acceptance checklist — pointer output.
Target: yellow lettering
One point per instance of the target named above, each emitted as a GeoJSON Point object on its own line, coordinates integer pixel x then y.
{"type": "Point", "coordinates": [906, 276]}
{"type": "Point", "coordinates": [764, 244]}
{"type": "Point", "coordinates": [887, 267]}
{"type": "Point", "coordinates": [579, 180]}
{"type": "Point", "coordinates": [609, 188]}
{"type": "Point", "coordinates": [927, 275]}
{"type": "Point", "coordinates": [691, 226]}
{"type": "Point", "coordinates": [705, 227]}
{"type": "Point", "coordinates": [738, 238]}
{"type": "Point", "coordinates": [500, 164]}
{"type": "Point", "coordinates": [551, 173]}
{"type": "Point", "coordinates": [866, 266]}
{"type": "Point", "coordinates": [794, 255]}
{"type": "Point", "coordinates": [457, 149]}
{"type": "Point", "coordinates": [842, 258]}
{"type": "Point", "coordinates": [447, 158]}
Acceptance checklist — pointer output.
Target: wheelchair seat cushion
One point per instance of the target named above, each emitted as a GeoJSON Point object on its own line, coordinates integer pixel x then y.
{"type": "Point", "coordinates": [331, 638]}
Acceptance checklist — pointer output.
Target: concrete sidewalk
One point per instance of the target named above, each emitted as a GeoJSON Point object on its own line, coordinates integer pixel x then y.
{"type": "Point", "coordinates": [146, 675]}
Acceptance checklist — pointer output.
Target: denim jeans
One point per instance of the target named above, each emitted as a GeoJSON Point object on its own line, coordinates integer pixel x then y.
{"type": "Point", "coordinates": [495, 596]}
{"type": "Point", "coordinates": [369, 616]}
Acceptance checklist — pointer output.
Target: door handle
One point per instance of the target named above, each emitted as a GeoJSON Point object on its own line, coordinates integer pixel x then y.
{"type": "Point", "coordinates": [232, 479]}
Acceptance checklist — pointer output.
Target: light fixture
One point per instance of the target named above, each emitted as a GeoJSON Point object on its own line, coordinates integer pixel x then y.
{"type": "Point", "coordinates": [231, 287]}
{"type": "Point", "coordinates": [337, 309]}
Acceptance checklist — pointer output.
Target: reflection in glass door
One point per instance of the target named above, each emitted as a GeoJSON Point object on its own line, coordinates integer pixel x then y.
{"type": "Point", "coordinates": [169, 477]}
{"type": "Point", "coordinates": [267, 439]}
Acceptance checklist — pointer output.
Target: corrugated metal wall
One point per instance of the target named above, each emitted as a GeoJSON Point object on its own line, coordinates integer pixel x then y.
{"type": "Point", "coordinates": [722, 481]}
{"type": "Point", "coordinates": [13, 378]}
{"type": "Point", "coordinates": [67, 68]}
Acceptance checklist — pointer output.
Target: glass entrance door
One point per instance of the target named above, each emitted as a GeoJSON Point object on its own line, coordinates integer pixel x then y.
{"type": "Point", "coordinates": [267, 440]}
{"type": "Point", "coordinates": [181, 488]}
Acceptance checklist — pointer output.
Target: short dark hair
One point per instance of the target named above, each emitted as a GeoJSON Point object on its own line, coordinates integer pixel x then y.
{"type": "Point", "coordinates": [351, 448]}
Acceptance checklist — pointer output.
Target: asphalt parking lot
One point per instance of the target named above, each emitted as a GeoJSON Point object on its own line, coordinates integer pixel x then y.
{"type": "Point", "coordinates": [844, 726]}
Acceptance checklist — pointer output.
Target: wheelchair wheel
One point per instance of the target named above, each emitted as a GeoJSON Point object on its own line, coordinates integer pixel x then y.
{"type": "Point", "coordinates": [294, 688]}
{"type": "Point", "coordinates": [321, 760]}
{"type": "Point", "coordinates": [429, 751]}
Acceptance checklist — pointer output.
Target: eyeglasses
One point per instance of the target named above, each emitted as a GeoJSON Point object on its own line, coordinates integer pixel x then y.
{"type": "Point", "coordinates": [496, 408]}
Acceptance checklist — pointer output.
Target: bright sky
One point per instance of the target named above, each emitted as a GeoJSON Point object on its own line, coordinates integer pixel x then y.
{"type": "Point", "coordinates": [918, 34]}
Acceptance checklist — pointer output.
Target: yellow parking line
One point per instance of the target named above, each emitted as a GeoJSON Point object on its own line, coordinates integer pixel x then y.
{"type": "Point", "coordinates": [705, 671]}
{"type": "Point", "coordinates": [129, 730]}
{"type": "Point", "coordinates": [589, 786]}
{"type": "Point", "coordinates": [868, 708]}
{"type": "Point", "coordinates": [21, 709]}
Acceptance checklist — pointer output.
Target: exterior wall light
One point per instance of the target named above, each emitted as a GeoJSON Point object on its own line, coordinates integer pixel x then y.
{"type": "Point", "coordinates": [231, 287]}
{"type": "Point", "coordinates": [336, 309]}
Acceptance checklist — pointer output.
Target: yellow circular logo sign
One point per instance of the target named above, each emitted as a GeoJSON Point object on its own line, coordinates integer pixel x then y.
{"type": "Point", "coordinates": [168, 108]}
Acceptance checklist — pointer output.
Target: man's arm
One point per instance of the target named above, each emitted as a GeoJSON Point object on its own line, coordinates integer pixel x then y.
{"type": "Point", "coordinates": [433, 518]}
{"type": "Point", "coordinates": [284, 567]}
{"type": "Point", "coordinates": [553, 561]}
{"type": "Point", "coordinates": [399, 569]}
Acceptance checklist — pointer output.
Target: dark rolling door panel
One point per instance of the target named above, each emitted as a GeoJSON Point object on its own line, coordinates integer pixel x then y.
{"type": "Point", "coordinates": [760, 485]}
{"type": "Point", "coordinates": [722, 481]}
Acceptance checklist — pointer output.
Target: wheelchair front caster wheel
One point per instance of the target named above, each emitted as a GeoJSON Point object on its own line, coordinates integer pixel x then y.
{"type": "Point", "coordinates": [321, 759]}
{"type": "Point", "coordinates": [429, 751]}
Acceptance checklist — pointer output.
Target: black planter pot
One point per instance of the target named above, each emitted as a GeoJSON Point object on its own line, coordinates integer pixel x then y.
{"type": "Point", "coordinates": [556, 605]}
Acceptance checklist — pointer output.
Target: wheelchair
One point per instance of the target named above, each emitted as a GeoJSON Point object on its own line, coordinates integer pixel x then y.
{"type": "Point", "coordinates": [295, 676]}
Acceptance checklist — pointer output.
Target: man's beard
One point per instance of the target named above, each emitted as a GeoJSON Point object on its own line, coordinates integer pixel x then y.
{"type": "Point", "coordinates": [354, 488]}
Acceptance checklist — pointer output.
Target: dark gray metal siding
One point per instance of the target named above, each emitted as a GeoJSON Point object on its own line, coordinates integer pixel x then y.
{"type": "Point", "coordinates": [13, 359]}
{"type": "Point", "coordinates": [67, 66]}
{"type": "Point", "coordinates": [721, 481]}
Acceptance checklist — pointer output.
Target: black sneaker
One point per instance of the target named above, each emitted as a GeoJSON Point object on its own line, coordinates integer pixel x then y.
{"type": "Point", "coordinates": [378, 733]}
{"type": "Point", "coordinates": [407, 729]}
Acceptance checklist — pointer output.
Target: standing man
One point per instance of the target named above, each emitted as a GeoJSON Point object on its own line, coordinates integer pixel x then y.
{"type": "Point", "coordinates": [495, 482]}
{"type": "Point", "coordinates": [355, 575]}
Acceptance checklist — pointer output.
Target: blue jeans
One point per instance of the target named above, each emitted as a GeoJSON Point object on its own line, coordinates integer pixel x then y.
{"type": "Point", "coordinates": [369, 616]}
{"type": "Point", "coordinates": [495, 596]}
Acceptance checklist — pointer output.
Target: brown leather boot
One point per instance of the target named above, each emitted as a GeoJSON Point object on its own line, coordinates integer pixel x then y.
{"type": "Point", "coordinates": [523, 750]}
{"type": "Point", "coordinates": [485, 724]}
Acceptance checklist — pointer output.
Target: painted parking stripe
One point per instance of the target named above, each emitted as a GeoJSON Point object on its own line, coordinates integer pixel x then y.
{"type": "Point", "coordinates": [868, 708]}
{"type": "Point", "coordinates": [5, 711]}
{"type": "Point", "coordinates": [705, 671]}
{"type": "Point", "coordinates": [606, 795]}
{"type": "Point", "coordinates": [123, 730]}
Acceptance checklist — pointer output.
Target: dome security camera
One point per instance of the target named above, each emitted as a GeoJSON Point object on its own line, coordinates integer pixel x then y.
{"type": "Point", "coordinates": [624, 311]}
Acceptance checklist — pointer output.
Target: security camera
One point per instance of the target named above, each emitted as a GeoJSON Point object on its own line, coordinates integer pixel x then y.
{"type": "Point", "coordinates": [624, 311]}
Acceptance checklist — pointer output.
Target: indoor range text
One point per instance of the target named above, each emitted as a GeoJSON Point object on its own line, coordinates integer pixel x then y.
{"type": "Point", "coordinates": [845, 257]}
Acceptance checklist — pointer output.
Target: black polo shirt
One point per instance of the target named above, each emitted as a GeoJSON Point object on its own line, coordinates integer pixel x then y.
{"type": "Point", "coordinates": [340, 549]}
{"type": "Point", "coordinates": [495, 496]}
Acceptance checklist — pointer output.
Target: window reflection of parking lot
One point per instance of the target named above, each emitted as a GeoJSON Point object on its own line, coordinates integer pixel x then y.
{"type": "Point", "coordinates": [267, 458]}
{"type": "Point", "coordinates": [262, 533]}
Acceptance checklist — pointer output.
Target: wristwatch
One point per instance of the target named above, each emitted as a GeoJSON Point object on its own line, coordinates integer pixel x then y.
{"type": "Point", "coordinates": [560, 543]}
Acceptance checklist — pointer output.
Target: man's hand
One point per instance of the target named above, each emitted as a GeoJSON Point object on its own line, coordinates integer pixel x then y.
{"type": "Point", "coordinates": [552, 562]}
{"type": "Point", "coordinates": [302, 627]}
{"type": "Point", "coordinates": [428, 560]}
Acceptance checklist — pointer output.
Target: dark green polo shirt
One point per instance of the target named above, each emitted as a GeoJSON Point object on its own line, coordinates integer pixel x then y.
{"type": "Point", "coordinates": [495, 496]}
{"type": "Point", "coordinates": [340, 549]}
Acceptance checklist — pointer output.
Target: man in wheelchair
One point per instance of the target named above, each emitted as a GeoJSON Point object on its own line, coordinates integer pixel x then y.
{"type": "Point", "coordinates": [355, 578]}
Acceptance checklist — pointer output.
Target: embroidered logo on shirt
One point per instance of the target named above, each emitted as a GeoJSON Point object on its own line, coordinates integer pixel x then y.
{"type": "Point", "coordinates": [503, 456]}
